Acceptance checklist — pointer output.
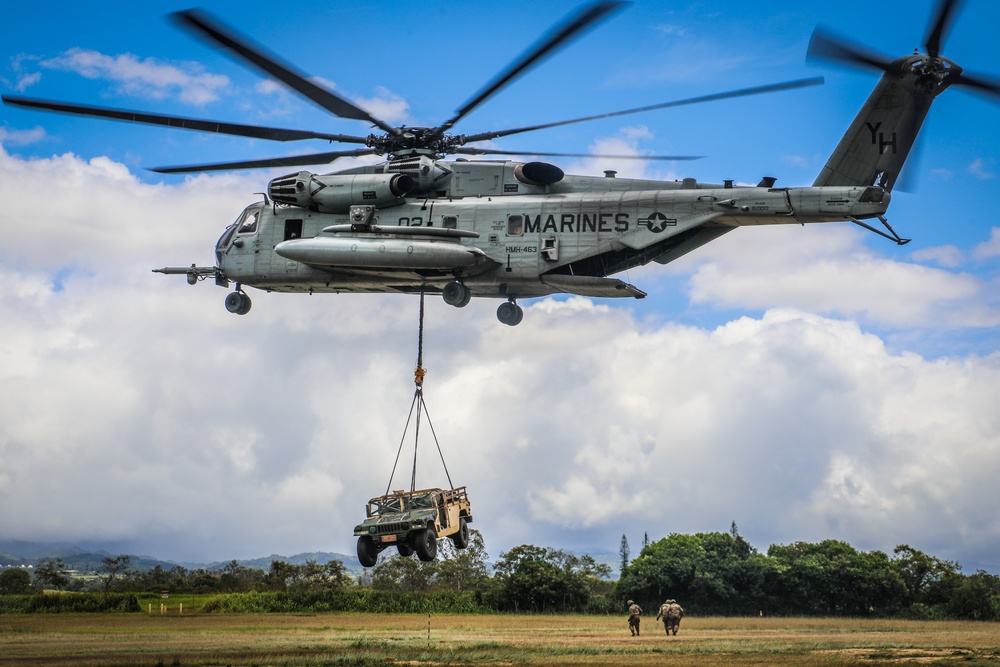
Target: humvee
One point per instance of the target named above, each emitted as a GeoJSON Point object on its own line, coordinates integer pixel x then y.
{"type": "Point", "coordinates": [413, 521]}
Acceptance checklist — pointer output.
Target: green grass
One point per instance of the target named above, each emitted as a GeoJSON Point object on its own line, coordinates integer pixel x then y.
{"type": "Point", "coordinates": [368, 639]}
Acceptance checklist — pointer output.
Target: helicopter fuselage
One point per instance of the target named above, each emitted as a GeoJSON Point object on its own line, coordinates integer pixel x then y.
{"type": "Point", "coordinates": [498, 229]}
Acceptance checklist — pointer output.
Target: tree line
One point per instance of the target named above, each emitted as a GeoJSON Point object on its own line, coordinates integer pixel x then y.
{"type": "Point", "coordinates": [710, 573]}
{"type": "Point", "coordinates": [722, 574]}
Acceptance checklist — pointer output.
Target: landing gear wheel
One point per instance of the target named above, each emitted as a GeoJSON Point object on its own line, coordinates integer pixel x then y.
{"type": "Point", "coordinates": [510, 313]}
{"type": "Point", "coordinates": [426, 543]}
{"type": "Point", "coordinates": [367, 551]}
{"type": "Point", "coordinates": [238, 303]}
{"type": "Point", "coordinates": [456, 294]}
{"type": "Point", "coordinates": [461, 538]}
{"type": "Point", "coordinates": [404, 549]}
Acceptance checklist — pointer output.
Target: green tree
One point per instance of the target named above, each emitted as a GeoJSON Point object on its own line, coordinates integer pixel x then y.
{"type": "Point", "coordinates": [929, 581]}
{"type": "Point", "coordinates": [976, 598]}
{"type": "Point", "coordinates": [113, 567]}
{"type": "Point", "coordinates": [403, 573]}
{"type": "Point", "coordinates": [832, 577]}
{"type": "Point", "coordinates": [462, 569]}
{"type": "Point", "coordinates": [713, 573]}
{"type": "Point", "coordinates": [15, 581]}
{"type": "Point", "coordinates": [624, 553]}
{"type": "Point", "coordinates": [52, 575]}
{"type": "Point", "coordinates": [530, 578]}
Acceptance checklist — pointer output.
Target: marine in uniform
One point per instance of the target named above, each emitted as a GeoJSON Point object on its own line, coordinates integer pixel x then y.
{"type": "Point", "coordinates": [671, 613]}
{"type": "Point", "coordinates": [634, 612]}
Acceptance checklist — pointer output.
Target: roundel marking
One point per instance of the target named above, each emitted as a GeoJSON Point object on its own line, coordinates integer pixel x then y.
{"type": "Point", "coordinates": [657, 222]}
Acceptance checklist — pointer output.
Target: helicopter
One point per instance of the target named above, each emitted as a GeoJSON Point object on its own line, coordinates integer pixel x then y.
{"type": "Point", "coordinates": [513, 229]}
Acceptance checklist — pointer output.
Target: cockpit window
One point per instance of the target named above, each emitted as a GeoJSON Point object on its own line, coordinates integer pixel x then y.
{"type": "Point", "coordinates": [872, 196]}
{"type": "Point", "coordinates": [249, 223]}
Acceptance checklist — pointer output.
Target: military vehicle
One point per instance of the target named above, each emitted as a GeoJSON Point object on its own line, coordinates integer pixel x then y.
{"type": "Point", "coordinates": [412, 521]}
{"type": "Point", "coordinates": [514, 229]}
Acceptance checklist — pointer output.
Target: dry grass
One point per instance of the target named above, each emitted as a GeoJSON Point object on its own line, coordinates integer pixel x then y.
{"type": "Point", "coordinates": [354, 639]}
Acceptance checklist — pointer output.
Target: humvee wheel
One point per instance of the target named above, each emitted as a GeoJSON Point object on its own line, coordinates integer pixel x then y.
{"type": "Point", "coordinates": [367, 551]}
{"type": "Point", "coordinates": [404, 549]}
{"type": "Point", "coordinates": [461, 538]}
{"type": "Point", "coordinates": [426, 544]}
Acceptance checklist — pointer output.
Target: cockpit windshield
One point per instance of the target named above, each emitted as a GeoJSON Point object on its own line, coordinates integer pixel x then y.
{"type": "Point", "coordinates": [248, 223]}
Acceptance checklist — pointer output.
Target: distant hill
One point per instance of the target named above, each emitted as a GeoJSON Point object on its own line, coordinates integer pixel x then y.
{"type": "Point", "coordinates": [17, 553]}
{"type": "Point", "coordinates": [88, 558]}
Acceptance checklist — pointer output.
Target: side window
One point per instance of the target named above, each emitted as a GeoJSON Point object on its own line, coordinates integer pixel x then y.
{"type": "Point", "coordinates": [515, 225]}
{"type": "Point", "coordinates": [293, 229]}
{"type": "Point", "coordinates": [249, 223]}
{"type": "Point", "coordinates": [449, 221]}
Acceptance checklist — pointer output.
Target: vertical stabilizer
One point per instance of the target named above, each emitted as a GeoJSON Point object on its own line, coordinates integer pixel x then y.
{"type": "Point", "coordinates": [876, 145]}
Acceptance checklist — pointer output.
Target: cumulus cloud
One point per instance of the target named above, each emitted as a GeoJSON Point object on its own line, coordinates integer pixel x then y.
{"type": "Point", "coordinates": [160, 420]}
{"type": "Point", "coordinates": [988, 249]}
{"type": "Point", "coordinates": [385, 105]}
{"type": "Point", "coordinates": [826, 269]}
{"type": "Point", "coordinates": [627, 141]}
{"type": "Point", "coordinates": [146, 77]}
{"type": "Point", "coordinates": [21, 137]}
{"type": "Point", "coordinates": [947, 255]}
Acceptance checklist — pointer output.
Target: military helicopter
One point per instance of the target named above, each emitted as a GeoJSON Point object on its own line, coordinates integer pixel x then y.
{"type": "Point", "coordinates": [511, 229]}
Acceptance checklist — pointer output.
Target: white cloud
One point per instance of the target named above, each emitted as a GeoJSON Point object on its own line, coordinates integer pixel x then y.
{"type": "Point", "coordinates": [627, 141]}
{"type": "Point", "coordinates": [25, 81]}
{"type": "Point", "coordinates": [21, 137]}
{"type": "Point", "coordinates": [981, 170]}
{"type": "Point", "coordinates": [385, 105]}
{"type": "Point", "coordinates": [827, 270]}
{"type": "Point", "coordinates": [143, 77]}
{"type": "Point", "coordinates": [947, 255]}
{"type": "Point", "coordinates": [988, 249]}
{"type": "Point", "coordinates": [158, 418]}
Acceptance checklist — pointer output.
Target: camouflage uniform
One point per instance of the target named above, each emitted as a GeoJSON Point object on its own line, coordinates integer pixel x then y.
{"type": "Point", "coordinates": [634, 612]}
{"type": "Point", "coordinates": [671, 612]}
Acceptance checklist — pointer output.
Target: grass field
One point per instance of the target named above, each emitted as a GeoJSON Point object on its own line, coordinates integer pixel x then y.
{"type": "Point", "coordinates": [350, 639]}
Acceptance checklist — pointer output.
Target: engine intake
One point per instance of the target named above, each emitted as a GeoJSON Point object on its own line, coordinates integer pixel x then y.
{"type": "Point", "coordinates": [336, 193]}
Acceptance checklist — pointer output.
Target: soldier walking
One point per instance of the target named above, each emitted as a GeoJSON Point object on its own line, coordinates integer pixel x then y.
{"type": "Point", "coordinates": [671, 613]}
{"type": "Point", "coordinates": [634, 612]}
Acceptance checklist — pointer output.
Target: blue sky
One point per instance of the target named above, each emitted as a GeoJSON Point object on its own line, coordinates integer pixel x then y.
{"type": "Point", "coordinates": [804, 382]}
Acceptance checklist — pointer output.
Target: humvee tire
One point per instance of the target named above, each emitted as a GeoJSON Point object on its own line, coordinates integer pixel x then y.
{"type": "Point", "coordinates": [367, 551]}
{"type": "Point", "coordinates": [426, 543]}
{"type": "Point", "coordinates": [461, 538]}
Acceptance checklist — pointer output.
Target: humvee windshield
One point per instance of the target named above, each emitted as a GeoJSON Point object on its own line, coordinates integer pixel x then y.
{"type": "Point", "coordinates": [425, 501]}
{"type": "Point", "coordinates": [387, 505]}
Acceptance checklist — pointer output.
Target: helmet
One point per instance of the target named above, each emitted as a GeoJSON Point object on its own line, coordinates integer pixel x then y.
{"type": "Point", "coordinates": [630, 602]}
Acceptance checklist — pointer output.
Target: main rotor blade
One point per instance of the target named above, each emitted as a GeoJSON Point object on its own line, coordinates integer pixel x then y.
{"type": "Point", "coordinates": [470, 150]}
{"type": "Point", "coordinates": [200, 125]}
{"type": "Point", "coordinates": [559, 36]}
{"type": "Point", "coordinates": [291, 161]}
{"type": "Point", "coordinates": [826, 46]}
{"type": "Point", "coordinates": [939, 27]}
{"type": "Point", "coordinates": [770, 88]}
{"type": "Point", "coordinates": [201, 24]}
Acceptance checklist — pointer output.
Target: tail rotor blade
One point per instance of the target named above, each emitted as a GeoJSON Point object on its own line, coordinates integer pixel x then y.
{"type": "Point", "coordinates": [826, 46]}
{"type": "Point", "coordinates": [939, 26]}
